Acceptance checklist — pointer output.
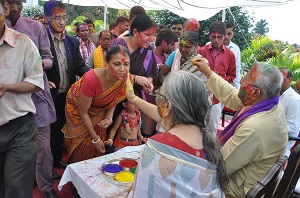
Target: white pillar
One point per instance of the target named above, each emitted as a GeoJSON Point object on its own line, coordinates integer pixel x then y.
{"type": "Point", "coordinates": [223, 15]}
{"type": "Point", "coordinates": [105, 16]}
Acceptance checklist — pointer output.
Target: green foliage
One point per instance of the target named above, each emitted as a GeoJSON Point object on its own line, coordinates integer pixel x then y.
{"type": "Point", "coordinates": [90, 12]}
{"type": "Point", "coordinates": [31, 11]}
{"type": "Point", "coordinates": [289, 59]}
{"type": "Point", "coordinates": [261, 49]}
{"type": "Point", "coordinates": [98, 25]}
{"type": "Point", "coordinates": [277, 53]}
{"type": "Point", "coordinates": [261, 27]}
{"type": "Point", "coordinates": [163, 17]}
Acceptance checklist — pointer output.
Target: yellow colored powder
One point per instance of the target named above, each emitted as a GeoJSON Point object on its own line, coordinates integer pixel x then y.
{"type": "Point", "coordinates": [124, 177]}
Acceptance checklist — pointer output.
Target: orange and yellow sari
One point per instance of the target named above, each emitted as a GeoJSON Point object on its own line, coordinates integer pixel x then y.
{"type": "Point", "coordinates": [78, 140]}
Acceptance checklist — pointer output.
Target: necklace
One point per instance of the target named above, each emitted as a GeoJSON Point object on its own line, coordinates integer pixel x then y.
{"type": "Point", "coordinates": [173, 125]}
{"type": "Point", "coordinates": [108, 77]}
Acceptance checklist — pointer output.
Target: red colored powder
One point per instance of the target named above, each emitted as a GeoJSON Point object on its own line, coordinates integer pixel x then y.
{"type": "Point", "coordinates": [127, 163]}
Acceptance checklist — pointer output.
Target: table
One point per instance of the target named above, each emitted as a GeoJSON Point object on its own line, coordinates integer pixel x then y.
{"type": "Point", "coordinates": [88, 179]}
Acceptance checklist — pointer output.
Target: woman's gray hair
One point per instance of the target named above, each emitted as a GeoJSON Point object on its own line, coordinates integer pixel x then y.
{"type": "Point", "coordinates": [269, 79]}
{"type": "Point", "coordinates": [190, 36]}
{"type": "Point", "coordinates": [188, 96]}
{"type": "Point", "coordinates": [190, 106]}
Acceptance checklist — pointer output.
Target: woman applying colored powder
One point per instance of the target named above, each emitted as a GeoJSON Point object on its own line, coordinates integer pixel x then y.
{"type": "Point", "coordinates": [90, 105]}
{"type": "Point", "coordinates": [143, 64]}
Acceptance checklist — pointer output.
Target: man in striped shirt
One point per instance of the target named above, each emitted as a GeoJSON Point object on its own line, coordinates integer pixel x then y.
{"type": "Point", "coordinates": [86, 47]}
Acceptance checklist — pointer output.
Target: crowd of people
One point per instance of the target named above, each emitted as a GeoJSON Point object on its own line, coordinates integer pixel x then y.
{"type": "Point", "coordinates": [137, 83]}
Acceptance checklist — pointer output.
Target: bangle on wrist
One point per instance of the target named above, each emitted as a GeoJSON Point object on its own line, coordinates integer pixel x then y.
{"type": "Point", "coordinates": [111, 121]}
{"type": "Point", "coordinates": [135, 99]}
{"type": "Point", "coordinates": [96, 142]}
{"type": "Point", "coordinates": [110, 140]}
{"type": "Point", "coordinates": [135, 77]}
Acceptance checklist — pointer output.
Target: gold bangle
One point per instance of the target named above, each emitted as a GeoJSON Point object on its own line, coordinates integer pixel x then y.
{"type": "Point", "coordinates": [110, 140]}
{"type": "Point", "coordinates": [135, 99]}
{"type": "Point", "coordinates": [96, 142]}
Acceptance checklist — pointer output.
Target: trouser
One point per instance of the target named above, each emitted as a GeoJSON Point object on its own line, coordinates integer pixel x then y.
{"type": "Point", "coordinates": [57, 136]}
{"type": "Point", "coordinates": [44, 160]}
{"type": "Point", "coordinates": [18, 154]}
{"type": "Point", "coordinates": [214, 119]}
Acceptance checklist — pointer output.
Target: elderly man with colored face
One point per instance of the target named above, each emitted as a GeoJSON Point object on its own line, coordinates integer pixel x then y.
{"type": "Point", "coordinates": [222, 61]}
{"type": "Point", "coordinates": [258, 134]}
{"type": "Point", "coordinates": [21, 74]}
{"type": "Point", "coordinates": [67, 63]}
{"type": "Point", "coordinates": [97, 58]}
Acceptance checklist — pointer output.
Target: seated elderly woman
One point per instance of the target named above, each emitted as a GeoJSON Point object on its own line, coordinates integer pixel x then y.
{"type": "Point", "coordinates": [184, 161]}
{"type": "Point", "coordinates": [181, 59]}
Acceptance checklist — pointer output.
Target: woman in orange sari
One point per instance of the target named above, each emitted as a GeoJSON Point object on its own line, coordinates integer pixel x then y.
{"type": "Point", "coordinates": [90, 105]}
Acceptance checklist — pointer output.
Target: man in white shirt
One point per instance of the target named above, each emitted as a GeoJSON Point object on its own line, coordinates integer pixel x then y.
{"type": "Point", "coordinates": [290, 101]}
{"type": "Point", "coordinates": [21, 74]}
{"type": "Point", "coordinates": [235, 49]}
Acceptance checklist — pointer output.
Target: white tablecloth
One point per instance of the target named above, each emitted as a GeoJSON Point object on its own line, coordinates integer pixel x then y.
{"type": "Point", "coordinates": [89, 180]}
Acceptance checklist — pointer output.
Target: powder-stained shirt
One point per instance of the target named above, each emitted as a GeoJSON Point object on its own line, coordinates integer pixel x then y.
{"type": "Point", "coordinates": [223, 63]}
{"type": "Point", "coordinates": [19, 61]}
{"type": "Point", "coordinates": [86, 50]}
{"type": "Point", "coordinates": [45, 110]}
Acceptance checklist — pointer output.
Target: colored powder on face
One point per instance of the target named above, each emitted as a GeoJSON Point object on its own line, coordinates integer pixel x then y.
{"type": "Point", "coordinates": [58, 10]}
{"type": "Point", "coordinates": [216, 34]}
{"type": "Point", "coordinates": [124, 60]}
{"type": "Point", "coordinates": [162, 110]}
{"type": "Point", "coordinates": [123, 53]}
{"type": "Point", "coordinates": [84, 27]}
{"type": "Point", "coordinates": [284, 73]}
{"type": "Point", "coordinates": [124, 177]}
{"type": "Point", "coordinates": [113, 72]}
{"type": "Point", "coordinates": [112, 168]}
{"type": "Point", "coordinates": [128, 163]}
{"type": "Point", "coordinates": [53, 26]}
{"type": "Point", "coordinates": [246, 95]}
{"type": "Point", "coordinates": [153, 30]}
{"type": "Point", "coordinates": [182, 41]}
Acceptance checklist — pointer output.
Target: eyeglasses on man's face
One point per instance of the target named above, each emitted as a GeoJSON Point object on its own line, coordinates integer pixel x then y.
{"type": "Point", "coordinates": [60, 18]}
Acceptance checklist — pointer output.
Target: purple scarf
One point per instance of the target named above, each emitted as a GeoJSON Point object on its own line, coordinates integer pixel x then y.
{"type": "Point", "coordinates": [264, 105]}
